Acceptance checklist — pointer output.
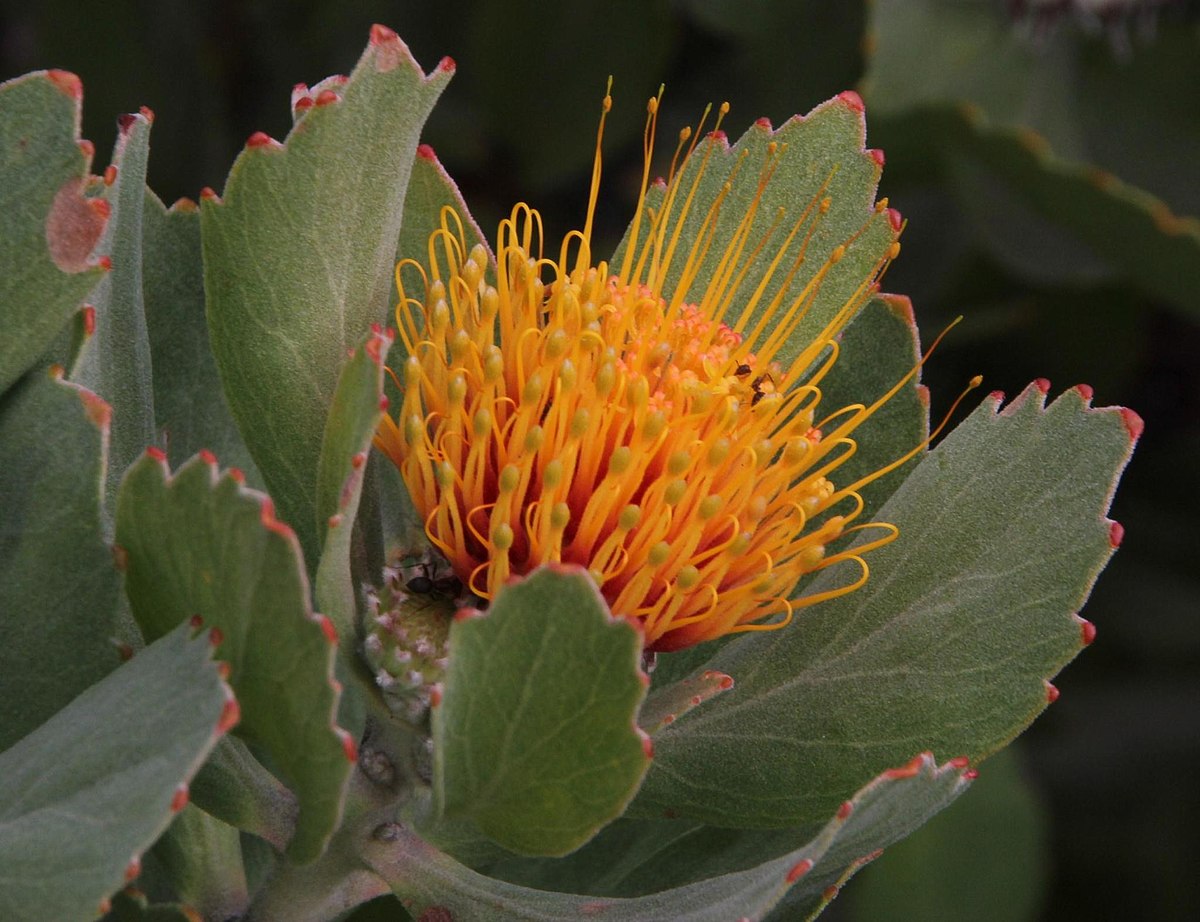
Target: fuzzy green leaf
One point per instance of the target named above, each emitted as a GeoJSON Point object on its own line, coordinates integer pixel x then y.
{"type": "Point", "coordinates": [298, 262]}
{"type": "Point", "coordinates": [885, 810]}
{"type": "Point", "coordinates": [199, 544]}
{"type": "Point", "coordinates": [58, 587]}
{"type": "Point", "coordinates": [876, 351]}
{"type": "Point", "coordinates": [353, 418]}
{"type": "Point", "coordinates": [535, 736]}
{"type": "Point", "coordinates": [116, 363]}
{"type": "Point", "coordinates": [200, 859]}
{"type": "Point", "coordinates": [190, 409]}
{"type": "Point", "coordinates": [234, 787]}
{"type": "Point", "coordinates": [86, 793]}
{"type": "Point", "coordinates": [822, 156]}
{"type": "Point", "coordinates": [48, 230]}
{"type": "Point", "coordinates": [947, 647]}
{"type": "Point", "coordinates": [985, 859]}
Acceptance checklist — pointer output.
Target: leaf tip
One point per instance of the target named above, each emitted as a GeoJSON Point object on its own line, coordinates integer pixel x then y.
{"type": "Point", "coordinates": [1133, 423]}
{"type": "Point", "coordinates": [261, 140]}
{"type": "Point", "coordinates": [798, 870]}
{"type": "Point", "coordinates": [231, 714]}
{"type": "Point", "coordinates": [1116, 534]}
{"type": "Point", "coordinates": [852, 101]}
{"type": "Point", "coordinates": [349, 746]}
{"type": "Point", "coordinates": [67, 83]}
{"type": "Point", "coordinates": [1087, 630]}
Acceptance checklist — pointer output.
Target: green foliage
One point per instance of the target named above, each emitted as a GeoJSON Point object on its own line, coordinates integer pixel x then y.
{"type": "Point", "coordinates": [49, 229]}
{"type": "Point", "coordinates": [201, 545]}
{"type": "Point", "coordinates": [1015, 499]}
{"type": "Point", "coordinates": [57, 620]}
{"type": "Point", "coordinates": [297, 262]}
{"type": "Point", "coordinates": [248, 330]}
{"type": "Point", "coordinates": [535, 736]}
{"type": "Point", "coordinates": [87, 792]}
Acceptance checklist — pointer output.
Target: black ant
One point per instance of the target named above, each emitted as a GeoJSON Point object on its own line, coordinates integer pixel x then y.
{"type": "Point", "coordinates": [426, 583]}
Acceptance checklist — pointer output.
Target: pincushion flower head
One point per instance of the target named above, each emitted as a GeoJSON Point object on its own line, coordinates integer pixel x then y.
{"type": "Point", "coordinates": [651, 422]}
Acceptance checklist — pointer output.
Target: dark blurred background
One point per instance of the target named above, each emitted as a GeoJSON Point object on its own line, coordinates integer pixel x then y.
{"type": "Point", "coordinates": [1046, 154]}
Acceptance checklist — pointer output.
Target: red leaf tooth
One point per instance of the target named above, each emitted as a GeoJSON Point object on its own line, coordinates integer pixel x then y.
{"type": "Point", "coordinates": [88, 148]}
{"type": "Point", "coordinates": [153, 451]}
{"type": "Point", "coordinates": [358, 460]}
{"type": "Point", "coordinates": [1085, 391]}
{"type": "Point", "coordinates": [104, 907]}
{"type": "Point", "coordinates": [383, 403]}
{"type": "Point", "coordinates": [208, 194]}
{"type": "Point", "coordinates": [764, 123]}
{"type": "Point", "coordinates": [327, 629]}
{"type": "Point", "coordinates": [829, 893]}
{"type": "Point", "coordinates": [334, 520]}
{"type": "Point", "coordinates": [844, 811]}
{"type": "Point", "coordinates": [196, 622]}
{"type": "Point", "coordinates": [799, 869]}
{"type": "Point", "coordinates": [895, 219]}
{"type": "Point", "coordinates": [124, 652]}
{"type": "Point", "coordinates": [101, 207]}
{"type": "Point", "coordinates": [208, 457]}
{"type": "Point", "coordinates": [435, 695]}
{"type": "Point", "coordinates": [971, 774]}
{"type": "Point", "coordinates": [1043, 385]}
{"type": "Point", "coordinates": [1087, 630]}
{"type": "Point", "coordinates": [303, 103]}
{"type": "Point", "coordinates": [147, 113]}
{"type": "Point", "coordinates": [66, 82]}
{"type": "Point", "coordinates": [110, 175]}
{"type": "Point", "coordinates": [447, 65]}
{"type": "Point", "coordinates": [718, 135]}
{"type": "Point", "coordinates": [853, 100]}
{"type": "Point", "coordinates": [1116, 534]}
{"type": "Point", "coordinates": [262, 139]}
{"type": "Point", "coordinates": [125, 121]}
{"type": "Point", "coordinates": [349, 747]}
{"type": "Point", "coordinates": [216, 637]}
{"type": "Point", "coordinates": [1052, 693]}
{"type": "Point", "coordinates": [425, 152]}
{"type": "Point", "coordinates": [647, 745]}
{"type": "Point", "coordinates": [231, 713]}
{"type": "Point", "coordinates": [1133, 423]}
{"type": "Point", "coordinates": [89, 319]}
{"type": "Point", "coordinates": [908, 770]}
{"type": "Point", "coordinates": [381, 34]}
{"type": "Point", "coordinates": [959, 762]}
{"type": "Point", "coordinates": [180, 798]}
{"type": "Point", "coordinates": [325, 97]}
{"type": "Point", "coordinates": [224, 670]}
{"type": "Point", "coordinates": [877, 155]}
{"type": "Point", "coordinates": [236, 475]}
{"type": "Point", "coordinates": [133, 869]}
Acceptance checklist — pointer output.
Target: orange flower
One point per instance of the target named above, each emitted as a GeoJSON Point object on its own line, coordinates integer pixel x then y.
{"type": "Point", "coordinates": [572, 411]}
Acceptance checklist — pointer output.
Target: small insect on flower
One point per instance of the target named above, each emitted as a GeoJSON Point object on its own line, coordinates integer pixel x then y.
{"type": "Point", "coordinates": [656, 420]}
